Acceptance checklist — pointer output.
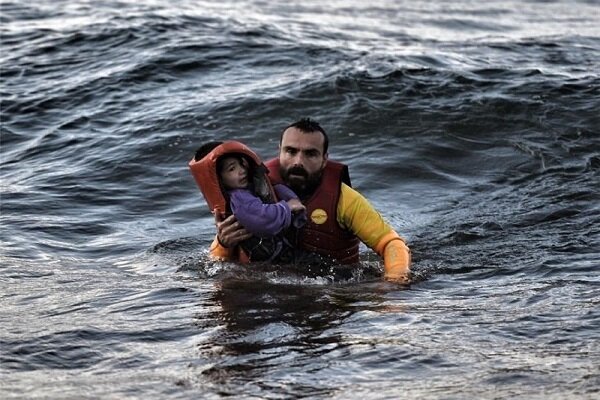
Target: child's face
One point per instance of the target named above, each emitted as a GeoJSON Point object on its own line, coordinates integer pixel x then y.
{"type": "Point", "coordinates": [234, 173]}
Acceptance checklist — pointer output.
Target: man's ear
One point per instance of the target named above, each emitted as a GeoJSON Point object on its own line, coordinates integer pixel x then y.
{"type": "Point", "coordinates": [325, 156]}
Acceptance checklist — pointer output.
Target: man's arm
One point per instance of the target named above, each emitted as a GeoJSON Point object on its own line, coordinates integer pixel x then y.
{"type": "Point", "coordinates": [356, 214]}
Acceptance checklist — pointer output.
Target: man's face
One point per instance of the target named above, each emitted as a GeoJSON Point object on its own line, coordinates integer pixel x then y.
{"type": "Point", "coordinates": [302, 159]}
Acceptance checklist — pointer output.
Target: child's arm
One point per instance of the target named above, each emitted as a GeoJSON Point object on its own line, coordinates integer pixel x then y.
{"type": "Point", "coordinates": [284, 193]}
{"type": "Point", "coordinates": [259, 218]}
{"type": "Point", "coordinates": [299, 218]}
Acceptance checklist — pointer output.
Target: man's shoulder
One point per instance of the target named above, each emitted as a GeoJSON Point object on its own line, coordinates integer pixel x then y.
{"type": "Point", "coordinates": [345, 188]}
{"type": "Point", "coordinates": [348, 194]}
{"type": "Point", "coordinates": [338, 170]}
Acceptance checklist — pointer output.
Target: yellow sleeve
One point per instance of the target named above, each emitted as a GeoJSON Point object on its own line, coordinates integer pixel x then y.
{"type": "Point", "coordinates": [356, 214]}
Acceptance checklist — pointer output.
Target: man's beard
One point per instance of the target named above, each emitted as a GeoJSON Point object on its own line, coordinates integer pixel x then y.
{"type": "Point", "coordinates": [304, 185]}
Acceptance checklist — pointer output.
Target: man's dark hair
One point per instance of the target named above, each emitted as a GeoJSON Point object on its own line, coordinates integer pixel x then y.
{"type": "Point", "coordinates": [308, 125]}
{"type": "Point", "coordinates": [205, 149]}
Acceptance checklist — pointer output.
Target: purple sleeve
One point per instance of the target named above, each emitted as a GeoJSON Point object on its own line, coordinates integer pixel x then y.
{"type": "Point", "coordinates": [284, 192]}
{"type": "Point", "coordinates": [259, 218]}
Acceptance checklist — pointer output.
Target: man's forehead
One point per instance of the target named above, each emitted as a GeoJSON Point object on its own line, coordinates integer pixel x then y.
{"type": "Point", "coordinates": [293, 137]}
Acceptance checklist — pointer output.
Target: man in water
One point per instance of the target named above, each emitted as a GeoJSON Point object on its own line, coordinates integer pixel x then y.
{"type": "Point", "coordinates": [338, 216]}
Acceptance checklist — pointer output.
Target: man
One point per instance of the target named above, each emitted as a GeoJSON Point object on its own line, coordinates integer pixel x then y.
{"type": "Point", "coordinates": [338, 215]}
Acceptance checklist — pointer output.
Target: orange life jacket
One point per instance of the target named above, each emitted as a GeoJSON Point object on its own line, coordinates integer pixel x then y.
{"type": "Point", "coordinates": [206, 175]}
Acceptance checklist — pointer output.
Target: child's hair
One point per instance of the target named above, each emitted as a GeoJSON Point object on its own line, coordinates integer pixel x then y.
{"type": "Point", "coordinates": [205, 149]}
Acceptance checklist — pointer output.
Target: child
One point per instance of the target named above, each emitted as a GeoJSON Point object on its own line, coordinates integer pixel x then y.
{"type": "Point", "coordinates": [248, 194]}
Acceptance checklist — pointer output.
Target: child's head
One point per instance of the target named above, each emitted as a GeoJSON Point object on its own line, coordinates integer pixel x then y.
{"type": "Point", "coordinates": [216, 178]}
{"type": "Point", "coordinates": [233, 171]}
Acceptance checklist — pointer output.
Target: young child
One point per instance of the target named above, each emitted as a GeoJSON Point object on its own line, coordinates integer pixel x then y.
{"type": "Point", "coordinates": [250, 197]}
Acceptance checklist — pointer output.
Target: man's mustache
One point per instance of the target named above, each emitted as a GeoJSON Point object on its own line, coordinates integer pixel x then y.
{"type": "Point", "coordinates": [297, 171]}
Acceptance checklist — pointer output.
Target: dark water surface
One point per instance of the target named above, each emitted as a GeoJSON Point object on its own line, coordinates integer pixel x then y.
{"type": "Point", "coordinates": [472, 126]}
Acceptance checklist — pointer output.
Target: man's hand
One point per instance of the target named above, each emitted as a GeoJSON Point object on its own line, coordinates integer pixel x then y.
{"type": "Point", "coordinates": [229, 231]}
{"type": "Point", "coordinates": [396, 262]}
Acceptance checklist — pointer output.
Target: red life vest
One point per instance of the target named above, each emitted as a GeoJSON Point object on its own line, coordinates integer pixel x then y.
{"type": "Point", "coordinates": [322, 234]}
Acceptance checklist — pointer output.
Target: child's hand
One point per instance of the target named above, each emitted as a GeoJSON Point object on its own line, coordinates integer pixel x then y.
{"type": "Point", "coordinates": [296, 206]}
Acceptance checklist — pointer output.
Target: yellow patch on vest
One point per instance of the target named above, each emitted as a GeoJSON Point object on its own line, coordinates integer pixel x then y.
{"type": "Point", "coordinates": [318, 216]}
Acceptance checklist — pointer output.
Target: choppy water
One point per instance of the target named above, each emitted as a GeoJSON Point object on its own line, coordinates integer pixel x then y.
{"type": "Point", "coordinates": [472, 126]}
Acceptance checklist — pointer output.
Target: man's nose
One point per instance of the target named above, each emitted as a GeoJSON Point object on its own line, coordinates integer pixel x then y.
{"type": "Point", "coordinates": [298, 159]}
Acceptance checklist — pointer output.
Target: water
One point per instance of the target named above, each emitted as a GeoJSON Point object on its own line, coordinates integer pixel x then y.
{"type": "Point", "coordinates": [472, 126]}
